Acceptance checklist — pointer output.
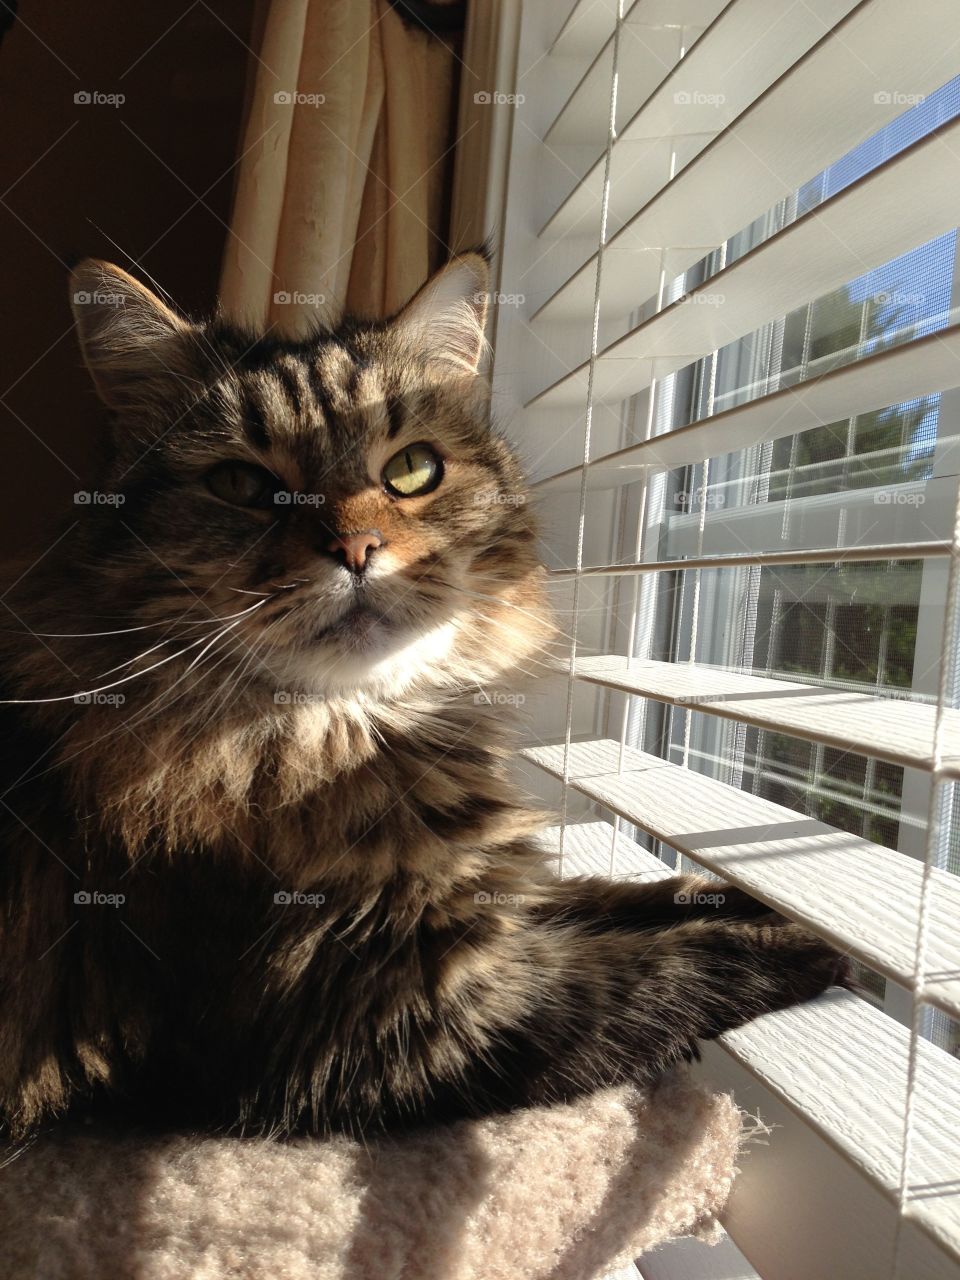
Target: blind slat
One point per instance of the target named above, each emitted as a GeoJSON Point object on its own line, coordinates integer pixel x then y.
{"type": "Point", "coordinates": [707, 89]}
{"type": "Point", "coordinates": [900, 731]}
{"type": "Point", "coordinates": [587, 852]}
{"type": "Point", "coordinates": [841, 1064]}
{"type": "Point", "coordinates": [584, 29]}
{"type": "Point", "coordinates": [590, 21]}
{"type": "Point", "coordinates": [861, 896]}
{"type": "Point", "coordinates": [831, 94]}
{"type": "Point", "coordinates": [655, 45]}
{"type": "Point", "coordinates": [812, 555]}
{"type": "Point", "coordinates": [892, 376]}
{"type": "Point", "coordinates": [870, 222]}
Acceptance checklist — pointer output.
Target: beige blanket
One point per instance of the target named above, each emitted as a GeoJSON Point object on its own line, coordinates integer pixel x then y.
{"type": "Point", "coordinates": [566, 1193]}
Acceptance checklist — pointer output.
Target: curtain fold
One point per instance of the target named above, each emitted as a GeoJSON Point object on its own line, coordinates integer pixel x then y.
{"type": "Point", "coordinates": [345, 166]}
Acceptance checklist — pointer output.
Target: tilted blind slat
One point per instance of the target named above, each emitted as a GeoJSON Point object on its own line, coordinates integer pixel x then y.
{"type": "Point", "coordinates": [590, 22]}
{"type": "Point", "coordinates": [870, 222]}
{"type": "Point", "coordinates": [655, 46]}
{"type": "Point", "coordinates": [811, 555]}
{"type": "Point", "coordinates": [587, 850]}
{"type": "Point", "coordinates": [584, 29]}
{"type": "Point", "coordinates": [826, 103]}
{"type": "Point", "coordinates": [885, 728]}
{"type": "Point", "coordinates": [706, 90]}
{"type": "Point", "coordinates": [889, 377]}
{"type": "Point", "coordinates": [858, 895]}
{"type": "Point", "coordinates": [842, 1065]}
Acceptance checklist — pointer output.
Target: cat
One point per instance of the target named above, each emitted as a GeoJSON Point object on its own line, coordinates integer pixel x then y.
{"type": "Point", "coordinates": [263, 867]}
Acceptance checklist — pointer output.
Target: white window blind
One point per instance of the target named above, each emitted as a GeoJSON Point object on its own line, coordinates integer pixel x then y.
{"type": "Point", "coordinates": [727, 344]}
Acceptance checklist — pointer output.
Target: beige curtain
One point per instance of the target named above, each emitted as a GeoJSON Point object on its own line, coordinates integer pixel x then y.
{"type": "Point", "coordinates": [341, 195]}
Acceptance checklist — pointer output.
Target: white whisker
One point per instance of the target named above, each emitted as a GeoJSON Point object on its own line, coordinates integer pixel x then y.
{"type": "Point", "coordinates": [71, 697]}
{"type": "Point", "coordinates": [177, 622]}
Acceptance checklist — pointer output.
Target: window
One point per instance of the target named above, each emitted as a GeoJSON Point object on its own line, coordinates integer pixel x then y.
{"type": "Point", "coordinates": [852, 626]}
{"type": "Point", "coordinates": [727, 345]}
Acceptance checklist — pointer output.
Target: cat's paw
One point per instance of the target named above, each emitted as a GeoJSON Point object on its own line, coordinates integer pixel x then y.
{"type": "Point", "coordinates": [800, 965]}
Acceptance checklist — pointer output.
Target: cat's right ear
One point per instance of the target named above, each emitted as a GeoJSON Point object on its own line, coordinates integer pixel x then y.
{"type": "Point", "coordinates": [133, 344]}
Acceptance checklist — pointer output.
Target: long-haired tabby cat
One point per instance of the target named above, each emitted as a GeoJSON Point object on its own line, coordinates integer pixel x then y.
{"type": "Point", "coordinates": [262, 865]}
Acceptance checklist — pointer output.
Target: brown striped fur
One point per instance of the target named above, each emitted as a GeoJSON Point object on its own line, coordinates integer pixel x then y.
{"type": "Point", "coordinates": [326, 747]}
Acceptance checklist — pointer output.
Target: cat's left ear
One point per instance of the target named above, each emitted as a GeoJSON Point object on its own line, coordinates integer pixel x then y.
{"type": "Point", "coordinates": [445, 320]}
{"type": "Point", "coordinates": [134, 346]}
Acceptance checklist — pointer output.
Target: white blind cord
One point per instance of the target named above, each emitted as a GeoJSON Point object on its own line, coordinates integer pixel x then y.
{"type": "Point", "coordinates": [588, 422]}
{"type": "Point", "coordinates": [948, 669]}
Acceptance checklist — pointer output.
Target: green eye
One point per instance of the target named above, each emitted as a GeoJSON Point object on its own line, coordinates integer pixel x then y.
{"type": "Point", "coordinates": [413, 471]}
{"type": "Point", "coordinates": [242, 484]}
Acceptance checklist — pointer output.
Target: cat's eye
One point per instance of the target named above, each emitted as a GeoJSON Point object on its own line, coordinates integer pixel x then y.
{"type": "Point", "coordinates": [242, 484]}
{"type": "Point", "coordinates": [413, 471]}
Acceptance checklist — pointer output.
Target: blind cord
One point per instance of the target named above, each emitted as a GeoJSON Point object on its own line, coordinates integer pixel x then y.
{"type": "Point", "coordinates": [939, 778]}
{"type": "Point", "coordinates": [588, 422]}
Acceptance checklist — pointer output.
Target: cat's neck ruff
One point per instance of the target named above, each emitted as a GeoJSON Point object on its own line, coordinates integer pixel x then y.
{"type": "Point", "coordinates": [284, 774]}
{"type": "Point", "coordinates": [304, 678]}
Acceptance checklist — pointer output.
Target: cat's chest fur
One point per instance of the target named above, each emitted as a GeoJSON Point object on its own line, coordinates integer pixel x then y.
{"type": "Point", "coordinates": [322, 794]}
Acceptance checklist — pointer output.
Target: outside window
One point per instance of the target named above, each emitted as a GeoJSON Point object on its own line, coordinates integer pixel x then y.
{"type": "Point", "coordinates": [869, 626]}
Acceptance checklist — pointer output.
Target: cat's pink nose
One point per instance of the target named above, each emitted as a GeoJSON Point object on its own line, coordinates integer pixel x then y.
{"type": "Point", "coordinates": [354, 549]}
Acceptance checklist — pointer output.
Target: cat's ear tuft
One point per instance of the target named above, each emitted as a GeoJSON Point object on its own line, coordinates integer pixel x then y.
{"type": "Point", "coordinates": [445, 320]}
{"type": "Point", "coordinates": [133, 344]}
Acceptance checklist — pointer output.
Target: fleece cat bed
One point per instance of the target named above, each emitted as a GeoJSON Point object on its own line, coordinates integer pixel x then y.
{"type": "Point", "coordinates": [568, 1192]}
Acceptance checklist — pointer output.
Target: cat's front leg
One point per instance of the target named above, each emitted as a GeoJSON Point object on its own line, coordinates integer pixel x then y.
{"type": "Point", "coordinates": [504, 999]}
{"type": "Point", "coordinates": [651, 905]}
{"type": "Point", "coordinates": [582, 1002]}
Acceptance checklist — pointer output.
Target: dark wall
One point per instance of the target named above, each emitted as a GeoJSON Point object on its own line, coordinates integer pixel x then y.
{"type": "Point", "coordinates": [148, 182]}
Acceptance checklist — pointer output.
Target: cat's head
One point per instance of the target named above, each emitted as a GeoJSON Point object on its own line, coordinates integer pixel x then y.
{"type": "Point", "coordinates": [346, 491]}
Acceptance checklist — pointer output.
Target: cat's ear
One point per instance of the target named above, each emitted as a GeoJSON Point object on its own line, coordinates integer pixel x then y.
{"type": "Point", "coordinates": [133, 344]}
{"type": "Point", "coordinates": [445, 319]}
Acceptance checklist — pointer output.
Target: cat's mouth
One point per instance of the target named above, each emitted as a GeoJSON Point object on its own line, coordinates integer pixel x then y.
{"type": "Point", "coordinates": [360, 626]}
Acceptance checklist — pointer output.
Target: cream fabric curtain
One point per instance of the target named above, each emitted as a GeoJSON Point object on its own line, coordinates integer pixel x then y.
{"type": "Point", "coordinates": [341, 196]}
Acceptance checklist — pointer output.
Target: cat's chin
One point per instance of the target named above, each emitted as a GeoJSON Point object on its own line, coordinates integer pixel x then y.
{"type": "Point", "coordinates": [361, 629]}
{"type": "Point", "coordinates": [366, 653]}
